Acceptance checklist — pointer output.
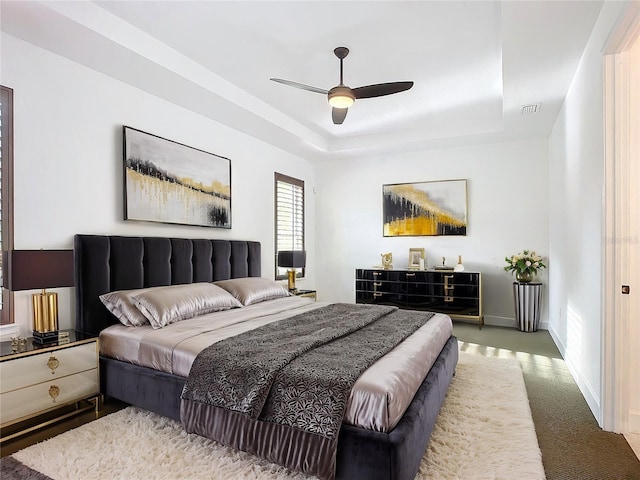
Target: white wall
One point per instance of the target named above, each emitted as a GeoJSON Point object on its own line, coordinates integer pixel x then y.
{"type": "Point", "coordinates": [507, 212]}
{"type": "Point", "coordinates": [547, 197]}
{"type": "Point", "coordinates": [576, 172]}
{"type": "Point", "coordinates": [68, 162]}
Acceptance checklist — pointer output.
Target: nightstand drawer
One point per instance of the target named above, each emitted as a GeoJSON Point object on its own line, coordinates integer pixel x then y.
{"type": "Point", "coordinates": [48, 395]}
{"type": "Point", "coordinates": [47, 366]}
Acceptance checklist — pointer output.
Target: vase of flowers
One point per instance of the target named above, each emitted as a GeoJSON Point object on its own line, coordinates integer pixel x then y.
{"type": "Point", "coordinates": [524, 277]}
{"type": "Point", "coordinates": [524, 265]}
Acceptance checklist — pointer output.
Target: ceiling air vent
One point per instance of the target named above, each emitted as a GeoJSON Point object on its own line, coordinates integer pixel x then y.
{"type": "Point", "coordinates": [530, 109]}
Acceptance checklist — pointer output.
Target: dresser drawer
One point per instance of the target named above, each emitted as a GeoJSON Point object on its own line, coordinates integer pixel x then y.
{"type": "Point", "coordinates": [380, 275]}
{"type": "Point", "coordinates": [45, 367]}
{"type": "Point", "coordinates": [39, 398]}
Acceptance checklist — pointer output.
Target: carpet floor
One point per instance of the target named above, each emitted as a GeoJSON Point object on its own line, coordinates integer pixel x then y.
{"type": "Point", "coordinates": [573, 446]}
{"type": "Point", "coordinates": [484, 431]}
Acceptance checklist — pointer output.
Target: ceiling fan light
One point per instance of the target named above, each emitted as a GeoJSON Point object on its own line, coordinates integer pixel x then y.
{"type": "Point", "coordinates": [341, 97]}
{"type": "Point", "coordinates": [340, 101]}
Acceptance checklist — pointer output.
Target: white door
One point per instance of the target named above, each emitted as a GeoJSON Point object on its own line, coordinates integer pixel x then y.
{"type": "Point", "coordinates": [633, 297]}
{"type": "Point", "coordinates": [621, 366]}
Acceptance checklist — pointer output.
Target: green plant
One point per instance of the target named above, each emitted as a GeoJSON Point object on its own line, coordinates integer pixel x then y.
{"type": "Point", "coordinates": [526, 261]}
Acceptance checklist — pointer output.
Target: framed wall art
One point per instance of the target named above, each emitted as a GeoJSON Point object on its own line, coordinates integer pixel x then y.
{"type": "Point", "coordinates": [425, 208]}
{"type": "Point", "coordinates": [165, 181]}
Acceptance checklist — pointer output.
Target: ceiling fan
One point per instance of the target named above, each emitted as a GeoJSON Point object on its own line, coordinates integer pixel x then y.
{"type": "Point", "coordinates": [341, 97]}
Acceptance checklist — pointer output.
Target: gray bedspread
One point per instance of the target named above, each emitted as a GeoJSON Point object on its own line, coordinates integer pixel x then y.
{"type": "Point", "coordinates": [281, 391]}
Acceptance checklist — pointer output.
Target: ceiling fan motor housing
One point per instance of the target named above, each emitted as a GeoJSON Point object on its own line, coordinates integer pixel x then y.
{"type": "Point", "coordinates": [341, 96]}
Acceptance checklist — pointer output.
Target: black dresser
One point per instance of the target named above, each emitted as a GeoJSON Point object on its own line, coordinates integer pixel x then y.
{"type": "Point", "coordinates": [458, 294]}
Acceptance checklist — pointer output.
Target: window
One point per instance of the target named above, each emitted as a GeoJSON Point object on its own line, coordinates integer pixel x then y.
{"type": "Point", "coordinates": [289, 217]}
{"type": "Point", "coordinates": [6, 193]}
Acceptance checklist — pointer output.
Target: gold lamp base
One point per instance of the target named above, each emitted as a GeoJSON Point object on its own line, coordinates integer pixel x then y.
{"type": "Point", "coordinates": [45, 313]}
{"type": "Point", "coordinates": [291, 276]}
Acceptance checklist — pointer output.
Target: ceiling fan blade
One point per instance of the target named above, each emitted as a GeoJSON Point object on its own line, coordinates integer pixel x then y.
{"type": "Point", "coordinates": [381, 89]}
{"type": "Point", "coordinates": [338, 115]}
{"type": "Point", "coordinates": [301, 86]}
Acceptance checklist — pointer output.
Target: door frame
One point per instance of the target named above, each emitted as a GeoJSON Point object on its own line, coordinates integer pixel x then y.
{"type": "Point", "coordinates": [619, 133]}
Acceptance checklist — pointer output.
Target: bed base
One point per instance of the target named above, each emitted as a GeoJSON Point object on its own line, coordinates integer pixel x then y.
{"type": "Point", "coordinates": [362, 454]}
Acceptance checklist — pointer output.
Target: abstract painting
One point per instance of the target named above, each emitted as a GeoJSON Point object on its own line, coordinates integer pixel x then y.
{"type": "Point", "coordinates": [425, 208]}
{"type": "Point", "coordinates": [165, 181]}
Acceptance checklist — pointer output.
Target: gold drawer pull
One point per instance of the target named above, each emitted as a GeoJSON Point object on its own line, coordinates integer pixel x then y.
{"type": "Point", "coordinates": [53, 363]}
{"type": "Point", "coordinates": [375, 274]}
{"type": "Point", "coordinates": [377, 284]}
{"type": "Point", "coordinates": [54, 391]}
{"type": "Point", "coordinates": [410, 274]}
{"type": "Point", "coordinates": [377, 294]}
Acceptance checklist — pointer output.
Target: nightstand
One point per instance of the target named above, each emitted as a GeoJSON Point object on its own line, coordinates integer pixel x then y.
{"type": "Point", "coordinates": [42, 384]}
{"type": "Point", "coordinates": [305, 293]}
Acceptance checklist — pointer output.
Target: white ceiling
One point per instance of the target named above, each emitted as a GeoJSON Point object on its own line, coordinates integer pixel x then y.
{"type": "Point", "coordinates": [474, 63]}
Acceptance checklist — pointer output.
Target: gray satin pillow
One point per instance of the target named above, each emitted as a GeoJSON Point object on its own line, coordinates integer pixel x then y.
{"type": "Point", "coordinates": [166, 305]}
{"type": "Point", "coordinates": [120, 304]}
{"type": "Point", "coordinates": [251, 290]}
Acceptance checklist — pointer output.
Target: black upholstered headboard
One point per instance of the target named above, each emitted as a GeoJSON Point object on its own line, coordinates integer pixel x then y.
{"type": "Point", "coordinates": [107, 263]}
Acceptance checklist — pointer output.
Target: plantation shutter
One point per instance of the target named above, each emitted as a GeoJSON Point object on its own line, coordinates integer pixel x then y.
{"type": "Point", "coordinates": [6, 196]}
{"type": "Point", "coordinates": [289, 218]}
{"type": "Point", "coordinates": [2, 144]}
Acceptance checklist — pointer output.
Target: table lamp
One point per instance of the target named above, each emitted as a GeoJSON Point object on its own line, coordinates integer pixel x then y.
{"type": "Point", "coordinates": [292, 259]}
{"type": "Point", "coordinates": [32, 269]}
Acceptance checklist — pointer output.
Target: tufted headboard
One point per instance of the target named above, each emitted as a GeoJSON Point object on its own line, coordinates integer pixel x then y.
{"type": "Point", "coordinates": [105, 263]}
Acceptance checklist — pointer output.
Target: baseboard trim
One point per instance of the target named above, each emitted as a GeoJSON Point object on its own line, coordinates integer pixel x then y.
{"type": "Point", "coordinates": [584, 386]}
{"type": "Point", "coordinates": [634, 421]}
{"type": "Point", "coordinates": [508, 322]}
{"type": "Point", "coordinates": [8, 331]}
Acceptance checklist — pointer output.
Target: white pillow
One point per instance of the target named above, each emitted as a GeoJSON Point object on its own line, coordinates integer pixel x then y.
{"type": "Point", "coordinates": [166, 305]}
{"type": "Point", "coordinates": [249, 290]}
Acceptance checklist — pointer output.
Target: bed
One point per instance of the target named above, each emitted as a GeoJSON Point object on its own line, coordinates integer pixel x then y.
{"type": "Point", "coordinates": [110, 263]}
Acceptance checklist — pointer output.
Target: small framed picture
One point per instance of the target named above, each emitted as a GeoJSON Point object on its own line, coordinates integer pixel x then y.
{"type": "Point", "coordinates": [416, 259]}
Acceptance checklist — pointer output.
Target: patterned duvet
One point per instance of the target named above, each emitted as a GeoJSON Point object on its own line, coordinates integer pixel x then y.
{"type": "Point", "coordinates": [378, 399]}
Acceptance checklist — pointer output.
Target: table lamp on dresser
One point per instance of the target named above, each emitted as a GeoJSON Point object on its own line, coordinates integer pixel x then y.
{"type": "Point", "coordinates": [41, 269]}
{"type": "Point", "coordinates": [292, 259]}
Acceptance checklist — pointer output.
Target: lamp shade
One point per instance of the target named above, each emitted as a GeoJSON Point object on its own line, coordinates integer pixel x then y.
{"type": "Point", "coordinates": [39, 269]}
{"type": "Point", "coordinates": [292, 258]}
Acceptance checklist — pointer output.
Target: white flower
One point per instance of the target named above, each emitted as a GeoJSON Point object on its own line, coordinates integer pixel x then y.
{"type": "Point", "coordinates": [524, 261]}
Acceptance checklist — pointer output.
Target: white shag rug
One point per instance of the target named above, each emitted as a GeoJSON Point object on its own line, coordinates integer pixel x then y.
{"type": "Point", "coordinates": [484, 431]}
